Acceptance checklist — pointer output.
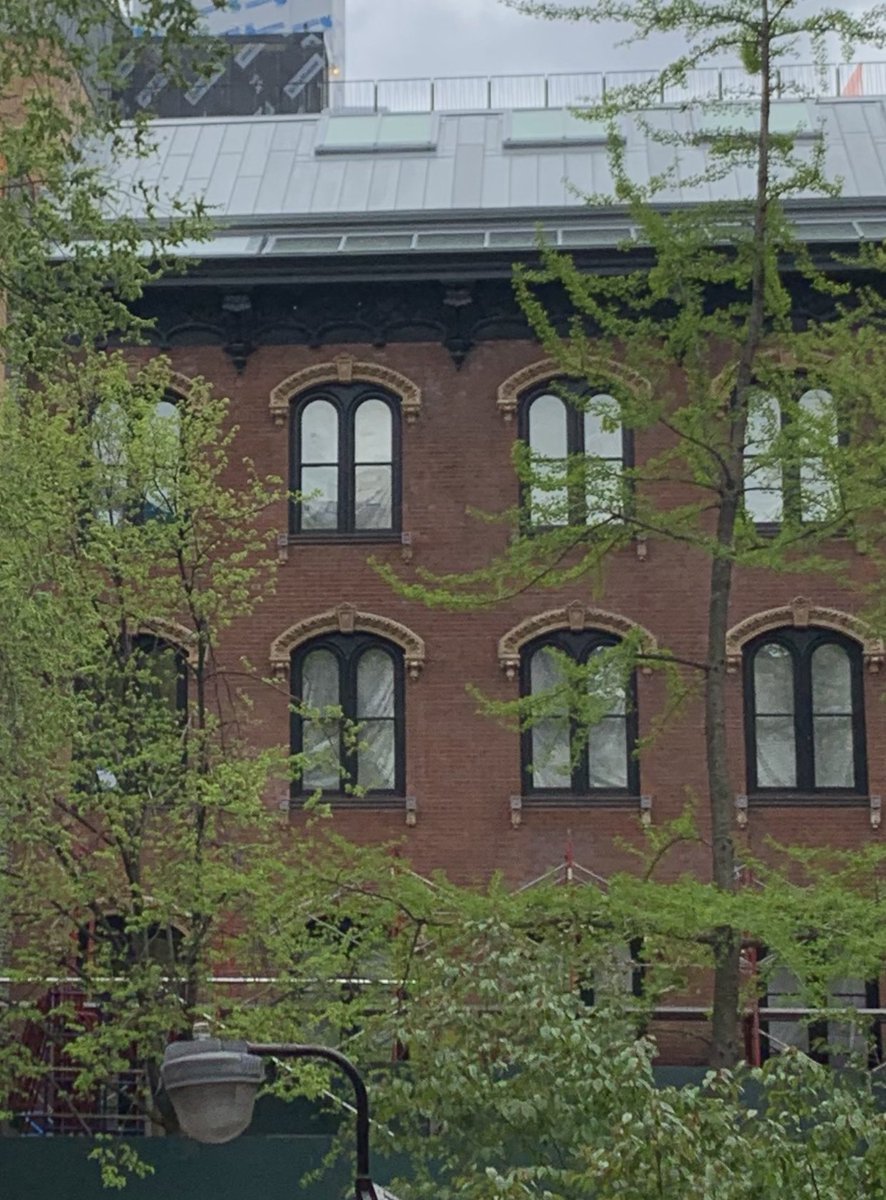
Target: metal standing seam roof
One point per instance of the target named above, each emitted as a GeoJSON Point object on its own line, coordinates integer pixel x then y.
{"type": "Point", "coordinates": [288, 174]}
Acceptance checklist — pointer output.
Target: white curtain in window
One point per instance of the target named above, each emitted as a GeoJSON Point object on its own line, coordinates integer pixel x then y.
{"type": "Point", "coordinates": [373, 469]}
{"type": "Point", "coordinates": [321, 734]}
{"type": "Point", "coordinates": [832, 717]}
{"type": "Point", "coordinates": [551, 761]}
{"type": "Point", "coordinates": [604, 453]}
{"type": "Point", "coordinates": [319, 465]}
{"type": "Point", "coordinates": [376, 754]}
{"type": "Point", "coordinates": [608, 739]}
{"type": "Point", "coordinates": [548, 441]}
{"type": "Point", "coordinates": [774, 717]}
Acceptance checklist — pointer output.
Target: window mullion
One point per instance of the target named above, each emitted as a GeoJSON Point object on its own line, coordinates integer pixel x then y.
{"type": "Point", "coordinates": [347, 520]}
{"type": "Point", "coordinates": [348, 680]}
{"type": "Point", "coordinates": [804, 722]}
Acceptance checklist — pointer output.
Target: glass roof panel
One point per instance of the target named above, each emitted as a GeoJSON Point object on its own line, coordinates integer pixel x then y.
{"type": "Point", "coordinates": [551, 127]}
{"type": "Point", "coordinates": [786, 116]}
{"type": "Point", "coordinates": [378, 131]}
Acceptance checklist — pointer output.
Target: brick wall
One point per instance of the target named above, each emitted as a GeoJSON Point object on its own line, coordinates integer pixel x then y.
{"type": "Point", "coordinates": [461, 767]}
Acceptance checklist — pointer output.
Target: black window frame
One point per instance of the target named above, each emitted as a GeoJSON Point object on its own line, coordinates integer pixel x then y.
{"type": "Point", "coordinates": [791, 473]}
{"type": "Point", "coordinates": [575, 446]}
{"type": "Point", "coordinates": [817, 1030]}
{"type": "Point", "coordinates": [801, 644]}
{"type": "Point", "coordinates": [579, 645]}
{"type": "Point", "coordinates": [346, 399]}
{"type": "Point", "coordinates": [348, 649]}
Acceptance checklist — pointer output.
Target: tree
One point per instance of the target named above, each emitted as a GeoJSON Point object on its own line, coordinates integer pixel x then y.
{"type": "Point", "coordinates": [138, 842]}
{"type": "Point", "coordinates": [719, 314]}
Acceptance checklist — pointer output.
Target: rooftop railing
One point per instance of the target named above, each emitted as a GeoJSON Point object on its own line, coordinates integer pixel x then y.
{"type": "Point", "coordinates": [467, 93]}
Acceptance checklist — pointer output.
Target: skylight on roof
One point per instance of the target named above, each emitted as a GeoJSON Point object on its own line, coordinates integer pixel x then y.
{"type": "Point", "coordinates": [785, 116]}
{"type": "Point", "coordinates": [367, 132]}
{"type": "Point", "coordinates": [551, 127]}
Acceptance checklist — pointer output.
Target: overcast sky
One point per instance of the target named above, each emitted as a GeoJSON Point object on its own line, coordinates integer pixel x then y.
{"type": "Point", "coordinates": [397, 39]}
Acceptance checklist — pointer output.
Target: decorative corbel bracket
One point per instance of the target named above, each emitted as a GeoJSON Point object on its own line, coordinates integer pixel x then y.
{"type": "Point", "coordinates": [645, 811]}
{"type": "Point", "coordinates": [516, 812]}
{"type": "Point", "coordinates": [411, 811]}
{"type": "Point", "coordinates": [741, 811]}
{"type": "Point", "coordinates": [876, 811]}
{"type": "Point", "coordinates": [238, 322]}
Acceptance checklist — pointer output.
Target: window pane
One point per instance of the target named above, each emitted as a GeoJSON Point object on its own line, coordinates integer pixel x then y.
{"type": "Point", "coordinates": [372, 433]}
{"type": "Point", "coordinates": [762, 492]}
{"type": "Point", "coordinates": [549, 497]}
{"type": "Point", "coordinates": [321, 740]}
{"type": "Point", "coordinates": [834, 758]}
{"type": "Point", "coordinates": [319, 505]}
{"type": "Point", "coordinates": [547, 427]}
{"type": "Point", "coordinates": [162, 670]}
{"type": "Point", "coordinates": [373, 500]}
{"type": "Point", "coordinates": [784, 992]}
{"type": "Point", "coordinates": [819, 497]}
{"type": "Point", "coordinates": [546, 674]}
{"type": "Point", "coordinates": [818, 403]}
{"type": "Point", "coordinates": [375, 685]}
{"type": "Point", "coordinates": [321, 743]}
{"type": "Point", "coordinates": [776, 752]}
{"type": "Point", "coordinates": [319, 433]}
{"type": "Point", "coordinates": [604, 490]}
{"type": "Point", "coordinates": [831, 680]}
{"type": "Point", "coordinates": [376, 769]}
{"type": "Point", "coordinates": [608, 754]}
{"type": "Point", "coordinates": [773, 679]}
{"type": "Point", "coordinates": [551, 763]}
{"type": "Point", "coordinates": [605, 443]}
{"type": "Point", "coordinates": [160, 491]}
{"type": "Point", "coordinates": [762, 480]}
{"type": "Point", "coordinates": [109, 438]}
{"type": "Point", "coordinates": [319, 675]}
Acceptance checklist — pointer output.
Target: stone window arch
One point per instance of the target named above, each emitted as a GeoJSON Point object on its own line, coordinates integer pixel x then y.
{"type": "Point", "coordinates": [801, 613]}
{"type": "Point", "coordinates": [344, 368]}
{"type": "Point", "coordinates": [513, 388]}
{"type": "Point", "coordinates": [347, 619]}
{"type": "Point", "coordinates": [577, 617]}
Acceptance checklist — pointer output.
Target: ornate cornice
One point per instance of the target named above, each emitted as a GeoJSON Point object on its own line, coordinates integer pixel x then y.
{"type": "Point", "coordinates": [575, 616]}
{"type": "Point", "coordinates": [800, 614]}
{"type": "Point", "coordinates": [515, 385]}
{"type": "Point", "coordinates": [347, 619]}
{"type": "Point", "coordinates": [177, 635]}
{"type": "Point", "coordinates": [345, 369]}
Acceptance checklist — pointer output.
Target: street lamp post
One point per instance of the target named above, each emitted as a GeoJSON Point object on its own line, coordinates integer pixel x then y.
{"type": "Point", "coordinates": [212, 1085]}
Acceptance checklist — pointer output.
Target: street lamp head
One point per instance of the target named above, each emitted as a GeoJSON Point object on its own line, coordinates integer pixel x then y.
{"type": "Point", "coordinates": [212, 1085]}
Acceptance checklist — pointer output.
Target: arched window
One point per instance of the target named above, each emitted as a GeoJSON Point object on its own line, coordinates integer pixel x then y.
{"type": "Point", "coordinates": [345, 461]}
{"type": "Point", "coordinates": [804, 713]}
{"type": "Point", "coordinates": [348, 719]}
{"type": "Point", "coordinates": [136, 487]}
{"type": "Point", "coordinates": [796, 481]}
{"type": "Point", "coordinates": [578, 453]}
{"type": "Point", "coordinates": [139, 699]}
{"type": "Point", "coordinates": [558, 756]}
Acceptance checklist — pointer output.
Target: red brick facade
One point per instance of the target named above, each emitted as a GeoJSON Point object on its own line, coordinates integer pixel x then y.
{"type": "Point", "coordinates": [462, 768]}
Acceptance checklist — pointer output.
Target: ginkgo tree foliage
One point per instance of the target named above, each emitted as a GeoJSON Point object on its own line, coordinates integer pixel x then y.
{"type": "Point", "coordinates": [140, 828]}
{"type": "Point", "coordinates": [748, 374]}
